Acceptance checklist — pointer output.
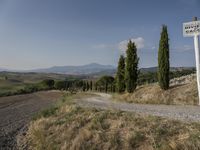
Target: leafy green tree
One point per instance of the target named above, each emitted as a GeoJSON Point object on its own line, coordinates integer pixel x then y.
{"type": "Point", "coordinates": [120, 77]}
{"type": "Point", "coordinates": [163, 60]}
{"type": "Point", "coordinates": [105, 83]}
{"type": "Point", "coordinates": [131, 69]}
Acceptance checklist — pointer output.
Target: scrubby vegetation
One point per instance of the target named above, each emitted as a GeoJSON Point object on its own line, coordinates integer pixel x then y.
{"type": "Point", "coordinates": [152, 77]}
{"type": "Point", "coordinates": [68, 126]}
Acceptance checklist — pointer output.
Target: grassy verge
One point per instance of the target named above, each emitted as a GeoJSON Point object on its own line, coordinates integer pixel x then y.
{"type": "Point", "coordinates": [67, 99]}
{"type": "Point", "coordinates": [68, 126]}
{"type": "Point", "coordinates": [152, 94]}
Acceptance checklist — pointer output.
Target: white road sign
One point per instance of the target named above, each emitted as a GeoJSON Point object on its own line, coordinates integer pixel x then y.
{"type": "Point", "coordinates": [191, 28]}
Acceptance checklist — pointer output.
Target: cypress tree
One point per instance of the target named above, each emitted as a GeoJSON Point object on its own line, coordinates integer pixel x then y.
{"type": "Point", "coordinates": [163, 60]}
{"type": "Point", "coordinates": [106, 87]}
{"type": "Point", "coordinates": [87, 86]}
{"type": "Point", "coordinates": [96, 88]}
{"type": "Point", "coordinates": [84, 86]}
{"type": "Point", "coordinates": [91, 85]}
{"type": "Point", "coordinates": [131, 69]}
{"type": "Point", "coordinates": [120, 77]}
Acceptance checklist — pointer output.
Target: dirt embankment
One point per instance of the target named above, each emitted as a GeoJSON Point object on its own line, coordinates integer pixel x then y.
{"type": "Point", "coordinates": [183, 91]}
{"type": "Point", "coordinates": [17, 111]}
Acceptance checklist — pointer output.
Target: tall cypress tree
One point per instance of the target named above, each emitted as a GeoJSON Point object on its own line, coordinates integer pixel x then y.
{"type": "Point", "coordinates": [120, 77]}
{"type": "Point", "coordinates": [163, 59]}
{"type": "Point", "coordinates": [91, 85]}
{"type": "Point", "coordinates": [95, 86]}
{"type": "Point", "coordinates": [87, 86]}
{"type": "Point", "coordinates": [84, 86]}
{"type": "Point", "coordinates": [131, 69]}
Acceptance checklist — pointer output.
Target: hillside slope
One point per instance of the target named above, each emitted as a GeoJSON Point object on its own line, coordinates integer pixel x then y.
{"type": "Point", "coordinates": [183, 91]}
{"type": "Point", "coordinates": [73, 127]}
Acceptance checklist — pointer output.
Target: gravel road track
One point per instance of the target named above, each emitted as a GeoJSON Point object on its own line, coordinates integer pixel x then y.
{"type": "Point", "coordinates": [183, 113]}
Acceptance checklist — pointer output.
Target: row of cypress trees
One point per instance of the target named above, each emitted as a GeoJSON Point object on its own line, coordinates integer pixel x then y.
{"type": "Point", "coordinates": [127, 71]}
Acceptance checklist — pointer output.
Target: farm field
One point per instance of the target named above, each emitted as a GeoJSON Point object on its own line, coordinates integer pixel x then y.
{"type": "Point", "coordinates": [11, 82]}
{"type": "Point", "coordinates": [17, 111]}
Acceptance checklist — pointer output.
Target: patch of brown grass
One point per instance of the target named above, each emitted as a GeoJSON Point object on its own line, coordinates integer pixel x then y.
{"type": "Point", "coordinates": [74, 128]}
{"type": "Point", "coordinates": [152, 94]}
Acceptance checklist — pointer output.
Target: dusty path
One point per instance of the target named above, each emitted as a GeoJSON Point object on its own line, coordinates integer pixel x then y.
{"type": "Point", "coordinates": [184, 113]}
{"type": "Point", "coordinates": [16, 112]}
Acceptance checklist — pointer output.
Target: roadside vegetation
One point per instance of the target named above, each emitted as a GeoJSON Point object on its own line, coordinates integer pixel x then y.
{"type": "Point", "coordinates": [67, 126]}
{"type": "Point", "coordinates": [183, 94]}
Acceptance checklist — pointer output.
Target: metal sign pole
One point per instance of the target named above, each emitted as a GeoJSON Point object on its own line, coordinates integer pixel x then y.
{"type": "Point", "coordinates": [192, 29]}
{"type": "Point", "coordinates": [196, 47]}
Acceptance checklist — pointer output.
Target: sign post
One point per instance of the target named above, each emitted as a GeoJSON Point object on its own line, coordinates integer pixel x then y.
{"type": "Point", "coordinates": [193, 29]}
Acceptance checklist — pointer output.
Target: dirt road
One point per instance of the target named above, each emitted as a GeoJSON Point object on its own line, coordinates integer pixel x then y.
{"type": "Point", "coordinates": [16, 112]}
{"type": "Point", "coordinates": [184, 113]}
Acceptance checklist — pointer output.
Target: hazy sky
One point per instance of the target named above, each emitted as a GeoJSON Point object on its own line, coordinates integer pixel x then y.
{"type": "Point", "coordinates": [44, 33]}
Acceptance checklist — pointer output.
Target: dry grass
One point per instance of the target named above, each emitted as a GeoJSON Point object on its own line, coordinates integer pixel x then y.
{"type": "Point", "coordinates": [75, 128]}
{"type": "Point", "coordinates": [152, 94]}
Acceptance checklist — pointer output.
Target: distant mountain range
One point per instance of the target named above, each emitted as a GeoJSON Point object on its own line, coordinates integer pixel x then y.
{"type": "Point", "coordinates": [3, 69]}
{"type": "Point", "coordinates": [93, 69]}
{"type": "Point", "coordinates": [77, 70]}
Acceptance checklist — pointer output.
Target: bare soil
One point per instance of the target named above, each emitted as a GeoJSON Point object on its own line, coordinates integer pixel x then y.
{"type": "Point", "coordinates": [17, 111]}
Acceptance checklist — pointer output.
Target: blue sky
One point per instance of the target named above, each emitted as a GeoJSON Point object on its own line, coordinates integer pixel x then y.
{"type": "Point", "coordinates": [44, 33]}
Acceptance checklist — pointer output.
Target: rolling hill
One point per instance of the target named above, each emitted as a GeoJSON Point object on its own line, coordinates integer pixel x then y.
{"type": "Point", "coordinates": [93, 69]}
{"type": "Point", "coordinates": [76, 70]}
